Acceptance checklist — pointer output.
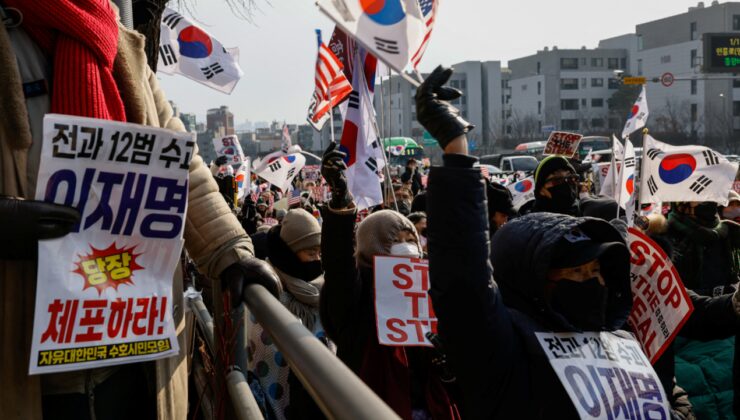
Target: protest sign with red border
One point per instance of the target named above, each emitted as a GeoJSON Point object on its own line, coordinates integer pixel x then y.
{"type": "Point", "coordinates": [562, 143]}
{"type": "Point", "coordinates": [403, 308]}
{"type": "Point", "coordinates": [661, 304]}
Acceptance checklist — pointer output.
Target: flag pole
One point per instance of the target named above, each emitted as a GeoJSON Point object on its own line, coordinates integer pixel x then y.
{"type": "Point", "coordinates": [374, 121]}
{"type": "Point", "coordinates": [331, 115]}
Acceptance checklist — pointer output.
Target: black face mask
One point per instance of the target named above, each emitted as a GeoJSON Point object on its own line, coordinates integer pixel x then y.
{"type": "Point", "coordinates": [310, 270]}
{"type": "Point", "coordinates": [563, 197]}
{"type": "Point", "coordinates": [707, 214]}
{"type": "Point", "coordinates": [583, 304]}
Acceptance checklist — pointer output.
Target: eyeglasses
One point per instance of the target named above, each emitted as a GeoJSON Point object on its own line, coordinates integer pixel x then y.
{"type": "Point", "coordinates": [557, 180]}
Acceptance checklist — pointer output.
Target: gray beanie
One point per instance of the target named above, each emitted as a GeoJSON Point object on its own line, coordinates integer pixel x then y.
{"type": "Point", "coordinates": [378, 232]}
{"type": "Point", "coordinates": [300, 230]}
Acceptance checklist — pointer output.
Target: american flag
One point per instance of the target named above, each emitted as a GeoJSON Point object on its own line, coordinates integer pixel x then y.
{"type": "Point", "coordinates": [294, 199]}
{"type": "Point", "coordinates": [287, 141]}
{"type": "Point", "coordinates": [429, 11]}
{"type": "Point", "coordinates": [332, 87]}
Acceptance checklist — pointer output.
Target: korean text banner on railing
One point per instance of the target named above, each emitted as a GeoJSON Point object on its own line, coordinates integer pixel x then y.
{"type": "Point", "coordinates": [104, 292]}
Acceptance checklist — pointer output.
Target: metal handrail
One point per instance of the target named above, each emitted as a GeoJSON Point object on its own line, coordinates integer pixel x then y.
{"type": "Point", "coordinates": [336, 389]}
{"type": "Point", "coordinates": [243, 401]}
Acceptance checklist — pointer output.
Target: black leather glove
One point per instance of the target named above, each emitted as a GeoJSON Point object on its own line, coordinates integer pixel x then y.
{"type": "Point", "coordinates": [252, 271]}
{"type": "Point", "coordinates": [433, 110]}
{"type": "Point", "coordinates": [332, 169]}
{"type": "Point", "coordinates": [24, 222]}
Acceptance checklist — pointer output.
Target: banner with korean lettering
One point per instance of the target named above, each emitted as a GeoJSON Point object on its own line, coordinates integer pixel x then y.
{"type": "Point", "coordinates": [403, 308]}
{"type": "Point", "coordinates": [104, 294]}
{"type": "Point", "coordinates": [606, 375]}
{"type": "Point", "coordinates": [562, 144]}
{"type": "Point", "coordinates": [660, 303]}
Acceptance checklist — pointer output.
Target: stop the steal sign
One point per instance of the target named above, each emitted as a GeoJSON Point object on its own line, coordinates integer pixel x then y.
{"type": "Point", "coordinates": [403, 308]}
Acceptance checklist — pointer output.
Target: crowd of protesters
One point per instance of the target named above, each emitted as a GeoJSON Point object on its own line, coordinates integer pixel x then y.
{"type": "Point", "coordinates": [498, 274]}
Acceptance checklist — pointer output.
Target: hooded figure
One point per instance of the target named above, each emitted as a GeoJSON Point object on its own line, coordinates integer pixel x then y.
{"type": "Point", "coordinates": [404, 377]}
{"type": "Point", "coordinates": [294, 251]}
{"type": "Point", "coordinates": [556, 187]}
{"type": "Point", "coordinates": [488, 326]}
{"type": "Point", "coordinates": [553, 273]}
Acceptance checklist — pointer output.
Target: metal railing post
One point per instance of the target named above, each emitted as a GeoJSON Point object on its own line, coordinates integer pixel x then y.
{"type": "Point", "coordinates": [336, 389]}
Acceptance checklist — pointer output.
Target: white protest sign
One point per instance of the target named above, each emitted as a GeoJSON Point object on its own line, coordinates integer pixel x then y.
{"type": "Point", "coordinates": [606, 376]}
{"type": "Point", "coordinates": [104, 294]}
{"type": "Point", "coordinates": [403, 307]}
{"type": "Point", "coordinates": [562, 144]}
{"type": "Point", "coordinates": [660, 304]}
{"type": "Point", "coordinates": [230, 147]}
{"type": "Point", "coordinates": [522, 192]}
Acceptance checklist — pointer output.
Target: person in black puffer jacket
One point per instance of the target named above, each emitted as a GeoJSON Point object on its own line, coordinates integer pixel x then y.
{"type": "Point", "coordinates": [488, 325]}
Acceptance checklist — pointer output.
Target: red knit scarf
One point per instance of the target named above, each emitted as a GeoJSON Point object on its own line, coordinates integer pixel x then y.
{"type": "Point", "coordinates": [82, 37]}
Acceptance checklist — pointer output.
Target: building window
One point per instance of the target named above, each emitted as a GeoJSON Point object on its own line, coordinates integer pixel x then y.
{"type": "Point", "coordinates": [665, 59]}
{"type": "Point", "coordinates": [597, 102]}
{"type": "Point", "coordinates": [539, 88]}
{"type": "Point", "coordinates": [736, 83]}
{"type": "Point", "coordinates": [694, 84]}
{"type": "Point", "coordinates": [584, 83]}
{"type": "Point", "coordinates": [639, 67]}
{"type": "Point", "coordinates": [569, 84]}
{"type": "Point", "coordinates": [597, 82]}
{"type": "Point", "coordinates": [640, 45]}
{"type": "Point", "coordinates": [597, 123]}
{"type": "Point", "coordinates": [569, 104]}
{"type": "Point", "coordinates": [613, 83]}
{"type": "Point", "coordinates": [524, 87]}
{"type": "Point", "coordinates": [694, 113]}
{"type": "Point", "coordinates": [692, 30]}
{"type": "Point", "coordinates": [597, 62]}
{"type": "Point", "coordinates": [615, 123]}
{"type": "Point", "coordinates": [736, 22]}
{"type": "Point", "coordinates": [464, 99]}
{"type": "Point", "coordinates": [539, 107]}
{"type": "Point", "coordinates": [569, 124]}
{"type": "Point", "coordinates": [612, 63]}
{"type": "Point", "coordinates": [694, 62]}
{"type": "Point", "coordinates": [569, 63]}
{"type": "Point", "coordinates": [455, 84]}
{"type": "Point", "coordinates": [736, 109]}
{"type": "Point", "coordinates": [584, 102]}
{"type": "Point", "coordinates": [623, 61]}
{"type": "Point", "coordinates": [539, 67]}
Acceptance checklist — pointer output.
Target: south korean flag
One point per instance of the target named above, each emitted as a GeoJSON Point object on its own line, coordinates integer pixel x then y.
{"type": "Point", "coordinates": [186, 49]}
{"type": "Point", "coordinates": [281, 171]}
{"type": "Point", "coordinates": [684, 173]}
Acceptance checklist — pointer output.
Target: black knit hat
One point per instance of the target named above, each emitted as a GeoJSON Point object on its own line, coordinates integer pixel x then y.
{"type": "Point", "coordinates": [549, 165]}
{"type": "Point", "coordinates": [499, 199]}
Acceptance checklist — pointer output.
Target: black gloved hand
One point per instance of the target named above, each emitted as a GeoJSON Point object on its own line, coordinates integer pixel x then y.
{"type": "Point", "coordinates": [251, 271]}
{"type": "Point", "coordinates": [24, 222]}
{"type": "Point", "coordinates": [433, 110]}
{"type": "Point", "coordinates": [332, 169]}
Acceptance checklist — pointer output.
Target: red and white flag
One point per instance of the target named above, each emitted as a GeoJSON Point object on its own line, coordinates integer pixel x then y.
{"type": "Point", "coordinates": [332, 87]}
{"type": "Point", "coordinates": [359, 141]}
{"type": "Point", "coordinates": [429, 11]}
{"type": "Point", "coordinates": [287, 141]}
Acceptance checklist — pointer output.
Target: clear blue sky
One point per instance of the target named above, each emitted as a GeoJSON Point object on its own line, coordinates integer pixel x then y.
{"type": "Point", "coordinates": [279, 48]}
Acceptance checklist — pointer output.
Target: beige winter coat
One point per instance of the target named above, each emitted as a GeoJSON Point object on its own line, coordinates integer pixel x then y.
{"type": "Point", "coordinates": [213, 236]}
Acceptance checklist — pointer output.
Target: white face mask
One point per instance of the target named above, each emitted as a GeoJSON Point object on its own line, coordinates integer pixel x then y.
{"type": "Point", "coordinates": [405, 249]}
